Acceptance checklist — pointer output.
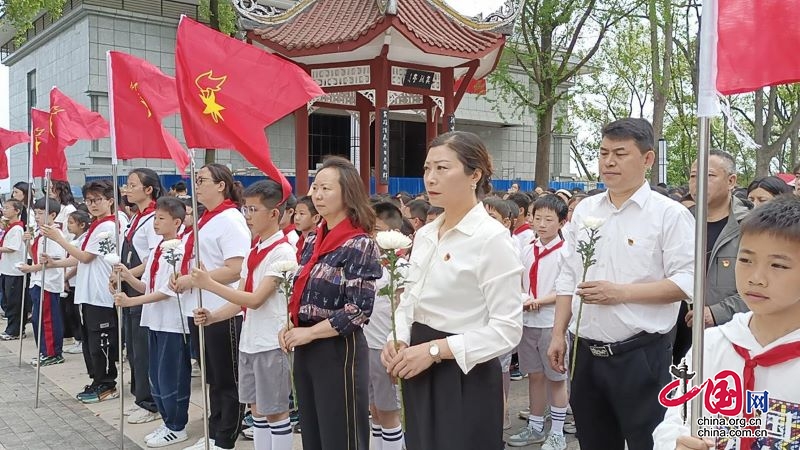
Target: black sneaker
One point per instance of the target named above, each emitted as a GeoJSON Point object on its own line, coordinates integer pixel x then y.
{"type": "Point", "coordinates": [88, 389]}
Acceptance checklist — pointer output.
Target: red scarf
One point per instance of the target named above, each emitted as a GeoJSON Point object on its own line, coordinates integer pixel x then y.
{"type": "Point", "coordinates": [154, 266]}
{"type": "Point", "coordinates": [92, 227]}
{"type": "Point", "coordinates": [300, 244]}
{"type": "Point", "coordinates": [775, 356]}
{"type": "Point", "coordinates": [538, 255]}
{"type": "Point", "coordinates": [135, 224]}
{"type": "Point", "coordinates": [255, 258]}
{"type": "Point", "coordinates": [522, 228]}
{"type": "Point", "coordinates": [188, 251]}
{"type": "Point", "coordinates": [326, 242]}
{"type": "Point", "coordinates": [288, 229]}
{"type": "Point", "coordinates": [10, 226]}
{"type": "Point", "coordinates": [35, 249]}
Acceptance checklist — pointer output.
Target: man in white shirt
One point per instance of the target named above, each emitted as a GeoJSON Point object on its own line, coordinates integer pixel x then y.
{"type": "Point", "coordinates": [644, 268]}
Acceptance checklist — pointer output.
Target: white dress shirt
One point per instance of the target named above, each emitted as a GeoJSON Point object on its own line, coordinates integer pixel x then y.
{"type": "Point", "coordinates": [547, 273]}
{"type": "Point", "coordinates": [649, 238]}
{"type": "Point", "coordinates": [466, 283]}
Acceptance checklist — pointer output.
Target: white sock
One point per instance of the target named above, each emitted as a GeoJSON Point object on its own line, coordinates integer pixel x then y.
{"type": "Point", "coordinates": [558, 415]}
{"type": "Point", "coordinates": [262, 438]}
{"type": "Point", "coordinates": [376, 441]}
{"type": "Point", "coordinates": [392, 438]}
{"type": "Point", "coordinates": [282, 438]}
{"type": "Point", "coordinates": [536, 423]}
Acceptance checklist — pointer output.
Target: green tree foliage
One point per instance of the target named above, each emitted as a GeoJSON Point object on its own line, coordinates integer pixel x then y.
{"type": "Point", "coordinates": [20, 14]}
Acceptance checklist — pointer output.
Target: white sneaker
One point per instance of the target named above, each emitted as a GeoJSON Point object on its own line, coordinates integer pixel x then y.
{"type": "Point", "coordinates": [195, 369]}
{"type": "Point", "coordinates": [143, 416]}
{"type": "Point", "coordinates": [153, 434]}
{"type": "Point", "coordinates": [248, 433]}
{"type": "Point", "coordinates": [75, 349]}
{"type": "Point", "coordinates": [169, 437]}
{"type": "Point", "coordinates": [131, 410]}
{"type": "Point", "coordinates": [555, 442]}
{"type": "Point", "coordinates": [201, 444]}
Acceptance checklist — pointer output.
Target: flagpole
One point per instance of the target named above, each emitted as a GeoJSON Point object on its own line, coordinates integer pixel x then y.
{"type": "Point", "coordinates": [31, 148]}
{"type": "Point", "coordinates": [701, 237]}
{"type": "Point", "coordinates": [115, 176]}
{"type": "Point", "coordinates": [46, 188]}
{"type": "Point", "coordinates": [201, 335]}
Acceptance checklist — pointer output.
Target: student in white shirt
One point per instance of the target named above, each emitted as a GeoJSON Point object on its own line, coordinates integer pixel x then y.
{"type": "Point", "coordinates": [542, 258]}
{"type": "Point", "coordinates": [460, 309]}
{"type": "Point", "coordinates": [644, 268]}
{"type": "Point", "coordinates": [287, 221]}
{"type": "Point", "coordinates": [169, 368]}
{"type": "Point", "coordinates": [77, 225]}
{"type": "Point", "coordinates": [50, 345]}
{"type": "Point", "coordinates": [61, 191]}
{"type": "Point", "coordinates": [224, 242]}
{"type": "Point", "coordinates": [139, 240]}
{"type": "Point", "coordinates": [264, 381]}
{"type": "Point", "coordinates": [523, 234]}
{"type": "Point", "coordinates": [99, 325]}
{"type": "Point", "coordinates": [12, 249]}
{"type": "Point", "coordinates": [306, 219]}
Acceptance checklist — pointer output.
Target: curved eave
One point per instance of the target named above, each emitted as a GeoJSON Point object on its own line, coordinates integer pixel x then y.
{"type": "Point", "coordinates": [468, 21]}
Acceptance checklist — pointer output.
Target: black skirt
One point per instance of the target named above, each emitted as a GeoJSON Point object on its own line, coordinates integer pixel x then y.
{"type": "Point", "coordinates": [448, 410]}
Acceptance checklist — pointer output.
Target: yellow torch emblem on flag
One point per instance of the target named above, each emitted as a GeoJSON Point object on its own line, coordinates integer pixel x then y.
{"type": "Point", "coordinates": [36, 142]}
{"type": "Point", "coordinates": [209, 85]}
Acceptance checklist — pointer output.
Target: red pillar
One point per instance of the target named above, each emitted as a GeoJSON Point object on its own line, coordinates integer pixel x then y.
{"type": "Point", "coordinates": [364, 107]}
{"type": "Point", "coordinates": [301, 151]}
{"type": "Point", "coordinates": [380, 73]}
{"type": "Point", "coordinates": [448, 84]}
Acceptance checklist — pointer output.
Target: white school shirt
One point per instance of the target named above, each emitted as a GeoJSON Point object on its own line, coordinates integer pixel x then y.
{"type": "Point", "coordinates": [466, 283]}
{"type": "Point", "coordinates": [293, 238]}
{"type": "Point", "coordinates": [62, 218]}
{"type": "Point", "coordinates": [223, 237]}
{"type": "Point", "coordinates": [523, 238]}
{"type": "Point", "coordinates": [77, 243]}
{"type": "Point", "coordinates": [782, 419]}
{"type": "Point", "coordinates": [91, 281]}
{"type": "Point", "coordinates": [9, 261]}
{"type": "Point", "coordinates": [145, 238]}
{"type": "Point", "coordinates": [650, 238]}
{"type": "Point", "coordinates": [262, 325]}
{"type": "Point", "coordinates": [54, 277]}
{"type": "Point", "coordinates": [547, 273]}
{"type": "Point", "coordinates": [166, 315]}
{"type": "Point", "coordinates": [379, 326]}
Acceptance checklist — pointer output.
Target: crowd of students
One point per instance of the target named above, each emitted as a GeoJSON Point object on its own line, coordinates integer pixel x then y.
{"type": "Point", "coordinates": [491, 278]}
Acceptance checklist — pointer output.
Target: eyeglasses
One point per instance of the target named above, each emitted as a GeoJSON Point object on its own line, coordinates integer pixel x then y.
{"type": "Point", "coordinates": [201, 180]}
{"type": "Point", "coordinates": [250, 210]}
{"type": "Point", "coordinates": [93, 201]}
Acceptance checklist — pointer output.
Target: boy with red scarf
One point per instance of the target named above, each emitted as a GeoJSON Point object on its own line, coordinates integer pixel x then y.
{"type": "Point", "coordinates": [13, 280]}
{"type": "Point", "coordinates": [99, 327]}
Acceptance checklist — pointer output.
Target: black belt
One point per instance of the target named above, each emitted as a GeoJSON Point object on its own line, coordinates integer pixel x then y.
{"type": "Point", "coordinates": [605, 350]}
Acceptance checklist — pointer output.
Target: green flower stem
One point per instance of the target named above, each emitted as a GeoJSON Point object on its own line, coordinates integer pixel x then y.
{"type": "Point", "coordinates": [586, 250]}
{"type": "Point", "coordinates": [577, 328]}
{"type": "Point", "coordinates": [392, 257]}
{"type": "Point", "coordinates": [180, 308]}
{"type": "Point", "coordinates": [286, 287]}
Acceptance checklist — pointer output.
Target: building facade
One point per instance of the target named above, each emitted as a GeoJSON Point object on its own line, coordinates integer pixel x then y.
{"type": "Point", "coordinates": [70, 53]}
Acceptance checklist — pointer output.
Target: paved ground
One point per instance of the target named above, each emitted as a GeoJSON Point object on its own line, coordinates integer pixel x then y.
{"type": "Point", "coordinates": [61, 422]}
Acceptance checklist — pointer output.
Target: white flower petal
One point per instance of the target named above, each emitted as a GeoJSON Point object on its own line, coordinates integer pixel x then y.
{"type": "Point", "coordinates": [285, 266]}
{"type": "Point", "coordinates": [392, 240]}
{"type": "Point", "coordinates": [111, 258]}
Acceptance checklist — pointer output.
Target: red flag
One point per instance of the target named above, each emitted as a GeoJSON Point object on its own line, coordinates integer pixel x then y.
{"type": "Point", "coordinates": [72, 121]}
{"type": "Point", "coordinates": [141, 96]}
{"type": "Point", "coordinates": [746, 45]}
{"type": "Point", "coordinates": [9, 139]}
{"type": "Point", "coordinates": [48, 150]}
{"type": "Point", "coordinates": [475, 86]}
{"type": "Point", "coordinates": [230, 91]}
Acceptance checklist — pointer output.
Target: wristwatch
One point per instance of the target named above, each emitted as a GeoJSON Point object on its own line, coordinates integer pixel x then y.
{"type": "Point", "coordinates": [433, 350]}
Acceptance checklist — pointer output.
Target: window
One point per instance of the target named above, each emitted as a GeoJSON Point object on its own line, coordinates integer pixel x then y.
{"type": "Point", "coordinates": [31, 90]}
{"type": "Point", "coordinates": [327, 135]}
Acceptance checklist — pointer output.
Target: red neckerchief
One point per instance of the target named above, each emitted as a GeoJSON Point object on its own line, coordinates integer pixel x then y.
{"type": "Point", "coordinates": [188, 251]}
{"type": "Point", "coordinates": [524, 227]}
{"type": "Point", "coordinates": [92, 227]}
{"type": "Point", "coordinates": [10, 226]}
{"type": "Point", "coordinates": [288, 229]}
{"type": "Point", "coordinates": [255, 258]}
{"type": "Point", "coordinates": [326, 242]}
{"type": "Point", "coordinates": [154, 266]}
{"type": "Point", "coordinates": [538, 255]}
{"type": "Point", "coordinates": [775, 356]}
{"type": "Point", "coordinates": [35, 249]}
{"type": "Point", "coordinates": [135, 224]}
{"type": "Point", "coordinates": [300, 244]}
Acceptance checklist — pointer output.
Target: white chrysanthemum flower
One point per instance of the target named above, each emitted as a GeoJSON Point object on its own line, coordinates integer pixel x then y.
{"type": "Point", "coordinates": [112, 259]}
{"type": "Point", "coordinates": [392, 240]}
{"type": "Point", "coordinates": [171, 244]}
{"type": "Point", "coordinates": [593, 223]}
{"type": "Point", "coordinates": [288, 265]}
{"type": "Point", "coordinates": [104, 235]}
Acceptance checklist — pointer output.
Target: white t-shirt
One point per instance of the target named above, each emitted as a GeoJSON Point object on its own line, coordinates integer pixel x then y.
{"type": "Point", "coordinates": [224, 237]}
{"type": "Point", "coordinates": [145, 238]}
{"type": "Point", "coordinates": [54, 278]}
{"type": "Point", "coordinates": [167, 315]}
{"type": "Point", "coordinates": [62, 218]}
{"type": "Point", "coordinates": [379, 328]}
{"type": "Point", "coordinates": [91, 281]}
{"type": "Point", "coordinates": [8, 261]}
{"type": "Point", "coordinates": [77, 243]}
{"type": "Point", "coordinates": [262, 325]}
{"type": "Point", "coordinates": [547, 273]}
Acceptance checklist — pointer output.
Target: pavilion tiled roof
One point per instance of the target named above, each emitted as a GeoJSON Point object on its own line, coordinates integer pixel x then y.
{"type": "Point", "coordinates": [341, 24]}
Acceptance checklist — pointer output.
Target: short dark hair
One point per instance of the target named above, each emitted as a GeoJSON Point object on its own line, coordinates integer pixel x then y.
{"type": "Point", "coordinates": [101, 187]}
{"type": "Point", "coordinates": [180, 186]}
{"type": "Point", "coordinates": [291, 201]}
{"type": "Point", "coordinates": [389, 214]}
{"type": "Point", "coordinates": [172, 206]}
{"type": "Point", "coordinates": [638, 130]}
{"type": "Point", "coordinates": [522, 200]}
{"type": "Point", "coordinates": [81, 217]}
{"type": "Point", "coordinates": [779, 218]}
{"type": "Point", "coordinates": [771, 184]}
{"type": "Point", "coordinates": [306, 200]}
{"type": "Point", "coordinates": [501, 206]}
{"type": "Point", "coordinates": [18, 205]}
{"type": "Point", "coordinates": [553, 203]}
{"type": "Point", "coordinates": [418, 208]}
{"type": "Point", "coordinates": [436, 211]}
{"type": "Point", "coordinates": [149, 179]}
{"type": "Point", "coordinates": [52, 206]}
{"type": "Point", "coordinates": [269, 193]}
{"type": "Point", "coordinates": [727, 158]}
{"type": "Point", "coordinates": [63, 192]}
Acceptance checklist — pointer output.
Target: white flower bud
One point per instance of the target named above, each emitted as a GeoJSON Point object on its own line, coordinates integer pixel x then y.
{"type": "Point", "coordinates": [593, 223]}
{"type": "Point", "coordinates": [392, 240]}
{"type": "Point", "coordinates": [285, 266]}
{"type": "Point", "coordinates": [111, 258]}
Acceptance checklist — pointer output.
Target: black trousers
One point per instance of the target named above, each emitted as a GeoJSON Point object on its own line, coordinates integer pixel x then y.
{"type": "Point", "coordinates": [448, 410]}
{"type": "Point", "coordinates": [136, 344]}
{"type": "Point", "coordinates": [615, 399]}
{"type": "Point", "coordinates": [99, 328]}
{"type": "Point", "coordinates": [683, 335]}
{"type": "Point", "coordinates": [331, 378]}
{"type": "Point", "coordinates": [222, 376]}
{"type": "Point", "coordinates": [71, 315]}
{"type": "Point", "coordinates": [13, 289]}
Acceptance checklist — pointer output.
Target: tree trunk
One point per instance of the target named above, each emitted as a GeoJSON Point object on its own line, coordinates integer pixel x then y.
{"type": "Point", "coordinates": [544, 137]}
{"type": "Point", "coordinates": [661, 65]}
{"type": "Point", "coordinates": [213, 19]}
{"type": "Point", "coordinates": [795, 146]}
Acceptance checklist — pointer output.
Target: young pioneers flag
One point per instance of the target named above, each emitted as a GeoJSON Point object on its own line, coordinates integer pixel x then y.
{"type": "Point", "coordinates": [140, 97]}
{"type": "Point", "coordinates": [9, 139]}
{"type": "Point", "coordinates": [230, 91]}
{"type": "Point", "coordinates": [746, 45]}
{"type": "Point", "coordinates": [72, 121]}
{"type": "Point", "coordinates": [48, 149]}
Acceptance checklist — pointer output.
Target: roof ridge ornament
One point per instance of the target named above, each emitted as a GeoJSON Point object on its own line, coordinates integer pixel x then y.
{"type": "Point", "coordinates": [387, 7]}
{"type": "Point", "coordinates": [500, 21]}
{"type": "Point", "coordinates": [266, 14]}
